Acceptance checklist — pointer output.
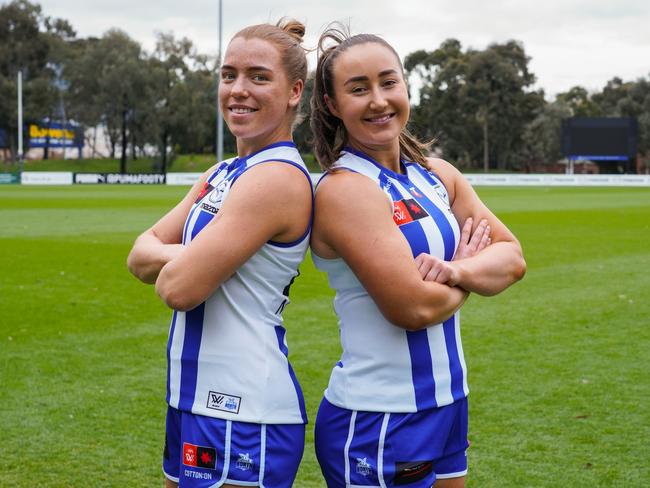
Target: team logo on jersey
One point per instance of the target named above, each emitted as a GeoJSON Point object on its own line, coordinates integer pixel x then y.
{"type": "Point", "coordinates": [442, 193]}
{"type": "Point", "coordinates": [363, 467]}
{"type": "Point", "coordinates": [199, 456]}
{"type": "Point", "coordinates": [223, 402]}
{"type": "Point", "coordinates": [216, 197]}
{"type": "Point", "coordinates": [407, 210]}
{"type": "Point", "coordinates": [412, 471]}
{"type": "Point", "coordinates": [245, 463]}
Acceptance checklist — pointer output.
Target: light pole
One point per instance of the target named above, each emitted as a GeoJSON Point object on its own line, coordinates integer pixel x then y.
{"type": "Point", "coordinates": [20, 121]}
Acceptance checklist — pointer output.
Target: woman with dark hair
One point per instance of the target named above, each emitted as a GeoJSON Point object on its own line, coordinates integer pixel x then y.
{"type": "Point", "coordinates": [387, 232]}
{"type": "Point", "coordinates": [223, 259]}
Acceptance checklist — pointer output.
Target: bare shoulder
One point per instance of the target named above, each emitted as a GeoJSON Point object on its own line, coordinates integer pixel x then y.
{"type": "Point", "coordinates": [449, 174]}
{"type": "Point", "coordinates": [347, 186]}
{"type": "Point", "coordinates": [443, 168]}
{"type": "Point", "coordinates": [274, 180]}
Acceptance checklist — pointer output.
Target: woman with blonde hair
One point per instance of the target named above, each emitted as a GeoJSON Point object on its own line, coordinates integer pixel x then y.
{"type": "Point", "coordinates": [223, 259]}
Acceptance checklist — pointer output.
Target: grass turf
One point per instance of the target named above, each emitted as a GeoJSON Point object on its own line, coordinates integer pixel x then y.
{"type": "Point", "coordinates": [182, 163]}
{"type": "Point", "coordinates": [558, 364]}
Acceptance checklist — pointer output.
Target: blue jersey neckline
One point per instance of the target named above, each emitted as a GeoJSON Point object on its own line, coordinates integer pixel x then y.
{"type": "Point", "coordinates": [382, 168]}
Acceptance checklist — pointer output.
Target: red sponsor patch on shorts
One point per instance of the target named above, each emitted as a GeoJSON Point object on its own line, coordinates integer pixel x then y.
{"type": "Point", "coordinates": [199, 456]}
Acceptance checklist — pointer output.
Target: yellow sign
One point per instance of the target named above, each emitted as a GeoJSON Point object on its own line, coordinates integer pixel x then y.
{"type": "Point", "coordinates": [36, 132]}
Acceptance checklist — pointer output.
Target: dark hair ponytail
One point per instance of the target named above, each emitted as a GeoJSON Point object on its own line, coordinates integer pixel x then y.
{"type": "Point", "coordinates": [329, 133]}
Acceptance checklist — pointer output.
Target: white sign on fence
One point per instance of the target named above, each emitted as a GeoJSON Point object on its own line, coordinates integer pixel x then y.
{"type": "Point", "coordinates": [46, 178]}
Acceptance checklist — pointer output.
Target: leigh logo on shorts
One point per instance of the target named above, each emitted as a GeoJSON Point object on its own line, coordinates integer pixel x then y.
{"type": "Point", "coordinates": [199, 456]}
{"type": "Point", "coordinates": [408, 210]}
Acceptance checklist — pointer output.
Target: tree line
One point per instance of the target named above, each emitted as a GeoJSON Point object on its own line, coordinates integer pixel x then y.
{"type": "Point", "coordinates": [478, 107]}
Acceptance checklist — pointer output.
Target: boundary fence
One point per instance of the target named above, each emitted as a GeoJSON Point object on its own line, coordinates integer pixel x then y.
{"type": "Point", "coordinates": [187, 179]}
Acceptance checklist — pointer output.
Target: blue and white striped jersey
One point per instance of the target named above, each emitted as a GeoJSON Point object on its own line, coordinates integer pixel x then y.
{"type": "Point", "coordinates": [227, 358]}
{"type": "Point", "coordinates": [385, 368]}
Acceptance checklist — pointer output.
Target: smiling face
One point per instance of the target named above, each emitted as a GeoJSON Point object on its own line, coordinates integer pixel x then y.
{"type": "Point", "coordinates": [370, 96]}
{"type": "Point", "coordinates": [256, 98]}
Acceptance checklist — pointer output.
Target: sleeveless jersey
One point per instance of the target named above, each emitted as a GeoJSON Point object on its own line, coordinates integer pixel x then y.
{"type": "Point", "coordinates": [227, 358]}
{"type": "Point", "coordinates": [385, 368]}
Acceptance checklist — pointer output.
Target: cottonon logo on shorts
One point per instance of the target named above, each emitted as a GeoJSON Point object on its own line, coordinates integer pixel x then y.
{"type": "Point", "coordinates": [245, 463]}
{"type": "Point", "coordinates": [223, 402]}
{"type": "Point", "coordinates": [363, 468]}
{"type": "Point", "coordinates": [199, 456]}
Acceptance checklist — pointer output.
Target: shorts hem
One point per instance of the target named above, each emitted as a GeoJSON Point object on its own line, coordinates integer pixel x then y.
{"type": "Point", "coordinates": [446, 476]}
{"type": "Point", "coordinates": [240, 483]}
{"type": "Point", "coordinates": [170, 477]}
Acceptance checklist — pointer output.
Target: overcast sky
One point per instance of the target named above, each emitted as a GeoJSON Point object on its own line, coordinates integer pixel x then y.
{"type": "Point", "coordinates": [571, 42]}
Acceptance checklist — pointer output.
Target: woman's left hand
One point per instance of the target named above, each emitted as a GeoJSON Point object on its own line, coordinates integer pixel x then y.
{"type": "Point", "coordinates": [435, 269]}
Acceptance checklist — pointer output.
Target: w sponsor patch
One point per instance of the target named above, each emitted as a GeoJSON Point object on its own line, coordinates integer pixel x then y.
{"type": "Point", "coordinates": [223, 402]}
{"type": "Point", "coordinates": [408, 210]}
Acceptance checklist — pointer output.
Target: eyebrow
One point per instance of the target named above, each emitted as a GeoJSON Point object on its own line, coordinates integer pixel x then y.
{"type": "Point", "coordinates": [365, 78]}
{"type": "Point", "coordinates": [250, 68]}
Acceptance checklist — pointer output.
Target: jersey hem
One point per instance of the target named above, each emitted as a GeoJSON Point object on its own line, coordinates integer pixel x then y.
{"type": "Point", "coordinates": [366, 409]}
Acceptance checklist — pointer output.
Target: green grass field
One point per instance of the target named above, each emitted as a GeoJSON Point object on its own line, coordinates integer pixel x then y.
{"type": "Point", "coordinates": [189, 163]}
{"type": "Point", "coordinates": [558, 364]}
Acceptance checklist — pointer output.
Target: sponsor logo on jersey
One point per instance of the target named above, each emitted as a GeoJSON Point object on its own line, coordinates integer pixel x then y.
{"type": "Point", "coordinates": [209, 208]}
{"type": "Point", "coordinates": [407, 210]}
{"type": "Point", "coordinates": [199, 456]}
{"type": "Point", "coordinates": [223, 402]}
{"type": "Point", "coordinates": [245, 463]}
{"type": "Point", "coordinates": [407, 472]}
{"type": "Point", "coordinates": [363, 467]}
{"type": "Point", "coordinates": [207, 188]}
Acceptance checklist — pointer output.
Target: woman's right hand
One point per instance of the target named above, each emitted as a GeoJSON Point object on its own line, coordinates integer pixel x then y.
{"type": "Point", "coordinates": [471, 243]}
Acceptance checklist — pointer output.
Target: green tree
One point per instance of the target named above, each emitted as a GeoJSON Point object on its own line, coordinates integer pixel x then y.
{"type": "Point", "coordinates": [111, 84]}
{"type": "Point", "coordinates": [628, 99]}
{"type": "Point", "coordinates": [579, 102]}
{"type": "Point", "coordinates": [26, 36]}
{"type": "Point", "coordinates": [541, 137]}
{"type": "Point", "coordinates": [476, 103]}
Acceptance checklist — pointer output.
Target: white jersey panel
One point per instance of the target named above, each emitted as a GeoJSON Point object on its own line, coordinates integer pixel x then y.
{"type": "Point", "coordinates": [383, 367]}
{"type": "Point", "coordinates": [228, 356]}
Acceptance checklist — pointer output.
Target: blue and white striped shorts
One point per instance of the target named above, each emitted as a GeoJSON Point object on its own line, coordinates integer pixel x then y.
{"type": "Point", "coordinates": [376, 449]}
{"type": "Point", "coordinates": [203, 452]}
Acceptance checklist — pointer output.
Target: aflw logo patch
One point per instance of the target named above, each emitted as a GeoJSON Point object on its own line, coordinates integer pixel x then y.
{"type": "Point", "coordinates": [223, 402]}
{"type": "Point", "coordinates": [408, 210]}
